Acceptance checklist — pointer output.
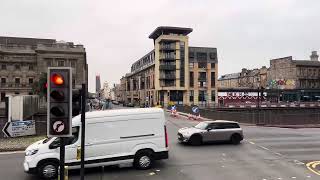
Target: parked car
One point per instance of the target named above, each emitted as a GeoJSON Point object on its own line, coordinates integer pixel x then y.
{"type": "Point", "coordinates": [115, 102]}
{"type": "Point", "coordinates": [130, 105]}
{"type": "Point", "coordinates": [208, 131]}
{"type": "Point", "coordinates": [112, 137]}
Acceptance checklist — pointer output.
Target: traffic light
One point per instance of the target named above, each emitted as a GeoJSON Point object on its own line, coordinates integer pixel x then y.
{"type": "Point", "coordinates": [59, 97]}
{"type": "Point", "coordinates": [76, 102]}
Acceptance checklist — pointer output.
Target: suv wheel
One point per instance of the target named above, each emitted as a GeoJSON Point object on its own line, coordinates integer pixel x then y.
{"type": "Point", "coordinates": [143, 160]}
{"type": "Point", "coordinates": [195, 140]}
{"type": "Point", "coordinates": [235, 139]}
{"type": "Point", "coordinates": [48, 170]}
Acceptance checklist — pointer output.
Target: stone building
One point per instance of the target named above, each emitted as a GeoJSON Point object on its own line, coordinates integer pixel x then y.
{"type": "Point", "coordinates": [246, 79]}
{"type": "Point", "coordinates": [23, 60]}
{"type": "Point", "coordinates": [229, 80]}
{"type": "Point", "coordinates": [173, 71]}
{"type": "Point", "coordinates": [295, 80]}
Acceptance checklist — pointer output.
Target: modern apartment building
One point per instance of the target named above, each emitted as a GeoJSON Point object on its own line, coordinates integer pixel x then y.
{"type": "Point", "coordinates": [24, 60]}
{"type": "Point", "coordinates": [173, 71]}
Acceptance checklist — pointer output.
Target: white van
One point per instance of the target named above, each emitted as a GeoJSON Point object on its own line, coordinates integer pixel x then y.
{"type": "Point", "coordinates": [113, 137]}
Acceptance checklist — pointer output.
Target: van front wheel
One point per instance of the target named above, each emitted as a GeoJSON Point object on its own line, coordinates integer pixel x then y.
{"type": "Point", "coordinates": [143, 160]}
{"type": "Point", "coordinates": [48, 170]}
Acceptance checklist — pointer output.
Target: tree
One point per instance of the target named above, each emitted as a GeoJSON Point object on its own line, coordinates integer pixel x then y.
{"type": "Point", "coordinates": [40, 87]}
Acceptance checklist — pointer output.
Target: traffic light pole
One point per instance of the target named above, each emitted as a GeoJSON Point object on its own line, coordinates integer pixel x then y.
{"type": "Point", "coordinates": [83, 113]}
{"type": "Point", "coordinates": [62, 155]}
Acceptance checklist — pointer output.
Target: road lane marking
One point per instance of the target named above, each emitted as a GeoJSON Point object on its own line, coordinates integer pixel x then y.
{"type": "Point", "coordinates": [11, 152]}
{"type": "Point", "coordinates": [251, 142]}
{"type": "Point", "coordinates": [264, 148]}
{"type": "Point", "coordinates": [312, 167]}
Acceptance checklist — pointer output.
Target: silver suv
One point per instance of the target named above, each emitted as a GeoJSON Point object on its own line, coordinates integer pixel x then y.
{"type": "Point", "coordinates": [208, 131]}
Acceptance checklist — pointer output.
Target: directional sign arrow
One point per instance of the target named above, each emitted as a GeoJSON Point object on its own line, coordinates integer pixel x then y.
{"type": "Point", "coordinates": [5, 129]}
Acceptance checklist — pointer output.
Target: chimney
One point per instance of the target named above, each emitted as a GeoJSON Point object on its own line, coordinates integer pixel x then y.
{"type": "Point", "coordinates": [314, 56]}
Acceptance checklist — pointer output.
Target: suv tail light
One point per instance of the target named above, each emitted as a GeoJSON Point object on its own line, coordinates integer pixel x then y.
{"type": "Point", "coordinates": [166, 136]}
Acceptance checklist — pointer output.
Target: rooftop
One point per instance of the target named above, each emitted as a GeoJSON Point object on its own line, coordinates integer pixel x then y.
{"type": "Point", "coordinates": [306, 63]}
{"type": "Point", "coordinates": [169, 30]}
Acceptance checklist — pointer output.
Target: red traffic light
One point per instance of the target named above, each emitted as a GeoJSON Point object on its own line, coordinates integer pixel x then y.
{"type": "Point", "coordinates": [57, 79]}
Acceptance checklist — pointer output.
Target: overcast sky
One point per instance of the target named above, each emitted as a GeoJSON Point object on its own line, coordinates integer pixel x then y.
{"type": "Point", "coordinates": [247, 33]}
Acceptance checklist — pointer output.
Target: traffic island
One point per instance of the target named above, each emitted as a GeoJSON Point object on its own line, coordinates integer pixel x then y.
{"type": "Point", "coordinates": [18, 143]}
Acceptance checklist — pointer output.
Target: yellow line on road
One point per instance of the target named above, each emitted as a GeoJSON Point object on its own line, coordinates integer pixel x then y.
{"type": "Point", "coordinates": [312, 167]}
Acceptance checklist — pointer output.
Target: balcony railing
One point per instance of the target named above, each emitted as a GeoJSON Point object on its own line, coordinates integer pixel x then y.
{"type": "Point", "coordinates": [170, 57]}
{"type": "Point", "coordinates": [168, 47]}
{"type": "Point", "coordinates": [167, 67]}
{"type": "Point", "coordinates": [167, 76]}
{"type": "Point", "coordinates": [166, 84]}
{"type": "Point", "coordinates": [202, 79]}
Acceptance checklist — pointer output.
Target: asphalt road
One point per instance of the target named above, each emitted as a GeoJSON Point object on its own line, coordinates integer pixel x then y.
{"type": "Point", "coordinates": [266, 153]}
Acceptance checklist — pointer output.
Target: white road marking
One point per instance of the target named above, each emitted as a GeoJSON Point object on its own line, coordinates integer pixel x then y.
{"type": "Point", "coordinates": [251, 142]}
{"type": "Point", "coordinates": [264, 148]}
{"type": "Point", "coordinates": [12, 152]}
{"type": "Point", "coordinates": [293, 177]}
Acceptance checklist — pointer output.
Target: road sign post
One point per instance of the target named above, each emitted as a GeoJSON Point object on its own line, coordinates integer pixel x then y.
{"type": "Point", "coordinates": [59, 109]}
{"type": "Point", "coordinates": [83, 127]}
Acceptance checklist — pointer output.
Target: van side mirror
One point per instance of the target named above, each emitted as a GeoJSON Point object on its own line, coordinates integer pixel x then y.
{"type": "Point", "coordinates": [209, 129]}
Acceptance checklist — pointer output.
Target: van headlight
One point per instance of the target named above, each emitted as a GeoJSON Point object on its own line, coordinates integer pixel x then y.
{"type": "Point", "coordinates": [31, 152]}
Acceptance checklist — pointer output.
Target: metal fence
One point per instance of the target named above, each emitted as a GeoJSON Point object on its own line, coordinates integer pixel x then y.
{"type": "Point", "coordinates": [280, 116]}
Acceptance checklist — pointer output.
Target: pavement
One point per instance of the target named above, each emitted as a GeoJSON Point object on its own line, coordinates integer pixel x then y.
{"type": "Point", "coordinates": [267, 153]}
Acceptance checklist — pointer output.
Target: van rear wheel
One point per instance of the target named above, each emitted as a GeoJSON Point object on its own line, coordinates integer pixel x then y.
{"type": "Point", "coordinates": [143, 160]}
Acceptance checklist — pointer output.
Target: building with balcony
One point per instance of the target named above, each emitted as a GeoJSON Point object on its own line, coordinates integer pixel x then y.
{"type": "Point", "coordinates": [173, 71]}
{"type": "Point", "coordinates": [24, 60]}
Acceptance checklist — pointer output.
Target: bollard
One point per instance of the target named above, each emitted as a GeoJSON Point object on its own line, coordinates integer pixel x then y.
{"type": "Point", "coordinates": [66, 176]}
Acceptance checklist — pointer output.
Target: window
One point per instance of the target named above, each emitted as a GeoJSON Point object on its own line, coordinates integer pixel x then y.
{"type": "Point", "coordinates": [213, 65]}
{"type": "Point", "coordinates": [3, 67]}
{"type": "Point", "coordinates": [17, 80]}
{"type": "Point", "coordinates": [230, 125]}
{"type": "Point", "coordinates": [73, 64]}
{"type": "Point", "coordinates": [75, 136]}
{"type": "Point", "coordinates": [201, 56]}
{"type": "Point", "coordinates": [213, 96]}
{"type": "Point", "coordinates": [60, 63]}
{"type": "Point", "coordinates": [191, 96]}
{"type": "Point", "coordinates": [16, 93]}
{"type": "Point", "coordinates": [30, 80]}
{"type": "Point", "coordinates": [49, 64]}
{"type": "Point", "coordinates": [3, 96]}
{"type": "Point", "coordinates": [202, 65]}
{"type": "Point", "coordinates": [17, 66]}
{"type": "Point", "coordinates": [213, 79]}
{"type": "Point", "coordinates": [3, 80]}
{"type": "Point", "coordinates": [73, 83]}
{"type": "Point", "coordinates": [191, 55]}
{"type": "Point", "coordinates": [30, 93]}
{"type": "Point", "coordinates": [191, 79]}
{"type": "Point", "coordinates": [212, 56]}
{"type": "Point", "coordinates": [201, 96]}
{"type": "Point", "coordinates": [31, 67]}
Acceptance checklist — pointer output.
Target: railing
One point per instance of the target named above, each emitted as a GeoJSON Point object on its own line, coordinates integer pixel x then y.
{"type": "Point", "coordinates": [168, 47]}
{"type": "Point", "coordinates": [168, 57]}
{"type": "Point", "coordinates": [167, 67]}
{"type": "Point", "coordinates": [167, 76]}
